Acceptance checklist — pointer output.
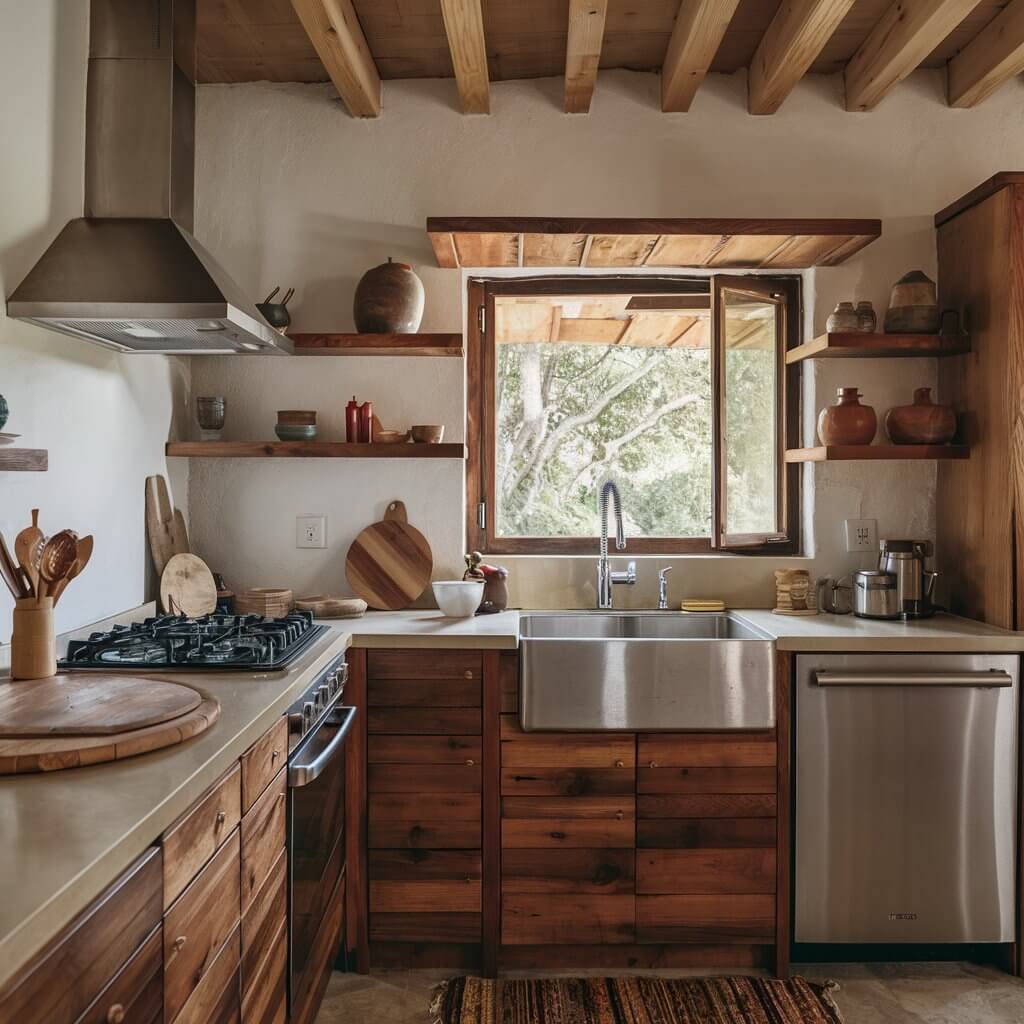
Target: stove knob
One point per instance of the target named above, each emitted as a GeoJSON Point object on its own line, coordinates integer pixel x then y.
{"type": "Point", "coordinates": [308, 714]}
{"type": "Point", "coordinates": [324, 694]}
{"type": "Point", "coordinates": [333, 681]}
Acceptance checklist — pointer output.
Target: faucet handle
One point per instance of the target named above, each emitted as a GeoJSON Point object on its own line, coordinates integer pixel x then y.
{"type": "Point", "coordinates": [662, 573]}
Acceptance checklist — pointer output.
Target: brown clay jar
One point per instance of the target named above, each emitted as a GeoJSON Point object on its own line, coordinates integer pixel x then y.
{"type": "Point", "coordinates": [924, 422]}
{"type": "Point", "coordinates": [388, 300]}
{"type": "Point", "coordinates": [847, 422]}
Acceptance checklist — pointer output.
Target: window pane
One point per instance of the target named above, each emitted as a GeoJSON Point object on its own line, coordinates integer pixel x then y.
{"type": "Point", "coordinates": [570, 416]}
{"type": "Point", "coordinates": [749, 414]}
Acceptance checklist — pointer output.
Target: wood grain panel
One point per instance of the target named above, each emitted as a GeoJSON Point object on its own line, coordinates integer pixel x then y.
{"type": "Point", "coordinates": [615, 957]}
{"type": "Point", "coordinates": [263, 920]}
{"type": "Point", "coordinates": [265, 999]}
{"type": "Point", "coordinates": [705, 750]}
{"type": "Point", "coordinates": [307, 995]}
{"type": "Point", "coordinates": [684, 250]}
{"type": "Point", "coordinates": [435, 927]}
{"type": "Point", "coordinates": [424, 664]}
{"type": "Point", "coordinates": [583, 52]}
{"type": "Point", "coordinates": [705, 833]}
{"type": "Point", "coordinates": [263, 836]}
{"type": "Point", "coordinates": [992, 57]}
{"type": "Point", "coordinates": [560, 808]}
{"type": "Point", "coordinates": [262, 761]}
{"type": "Point", "coordinates": [705, 919]}
{"type": "Point", "coordinates": [716, 805]}
{"type": "Point", "coordinates": [686, 872]}
{"type": "Point", "coordinates": [706, 780]}
{"type": "Point", "coordinates": [424, 721]}
{"type": "Point", "coordinates": [425, 896]}
{"type": "Point", "coordinates": [696, 36]}
{"type": "Point", "coordinates": [554, 833]}
{"type": "Point", "coordinates": [423, 779]}
{"type": "Point", "coordinates": [424, 834]}
{"type": "Point", "coordinates": [619, 250]}
{"type": "Point", "coordinates": [487, 249]}
{"type": "Point", "coordinates": [425, 865]}
{"type": "Point", "coordinates": [567, 782]}
{"type": "Point", "coordinates": [508, 664]}
{"type": "Point", "coordinates": [463, 750]}
{"type": "Point", "coordinates": [217, 999]}
{"type": "Point", "coordinates": [190, 842]}
{"type": "Point", "coordinates": [564, 750]}
{"type": "Point", "coordinates": [424, 693]}
{"type": "Point", "coordinates": [567, 871]}
{"type": "Point", "coordinates": [490, 906]}
{"type": "Point", "coordinates": [553, 250]}
{"type": "Point", "coordinates": [138, 988]}
{"type": "Point", "coordinates": [554, 919]}
{"type": "Point", "coordinates": [464, 26]}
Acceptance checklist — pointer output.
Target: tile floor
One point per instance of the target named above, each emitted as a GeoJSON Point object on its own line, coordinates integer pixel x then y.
{"type": "Point", "coordinates": [868, 994]}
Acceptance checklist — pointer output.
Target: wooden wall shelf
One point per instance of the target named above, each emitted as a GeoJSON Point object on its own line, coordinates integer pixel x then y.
{"type": "Point", "coordinates": [24, 460]}
{"type": "Point", "coordinates": [377, 344]}
{"type": "Point", "coordinates": [311, 450]}
{"type": "Point", "coordinates": [854, 345]}
{"type": "Point", "coordinates": [853, 452]}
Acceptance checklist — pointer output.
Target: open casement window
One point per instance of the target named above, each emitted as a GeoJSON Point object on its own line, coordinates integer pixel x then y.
{"type": "Point", "coordinates": [674, 388]}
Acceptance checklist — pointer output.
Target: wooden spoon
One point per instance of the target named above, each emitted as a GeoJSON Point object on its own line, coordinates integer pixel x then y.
{"type": "Point", "coordinates": [56, 561]}
{"type": "Point", "coordinates": [82, 556]}
{"type": "Point", "coordinates": [27, 547]}
{"type": "Point", "coordinates": [9, 571]}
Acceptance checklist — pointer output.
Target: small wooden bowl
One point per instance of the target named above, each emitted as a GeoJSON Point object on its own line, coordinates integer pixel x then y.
{"type": "Point", "coordinates": [304, 417]}
{"type": "Point", "coordinates": [427, 433]}
{"type": "Point", "coordinates": [390, 436]}
{"type": "Point", "coordinates": [270, 602]}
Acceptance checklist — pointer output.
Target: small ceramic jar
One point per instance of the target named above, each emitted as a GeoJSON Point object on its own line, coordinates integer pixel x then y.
{"type": "Point", "coordinates": [842, 319]}
{"type": "Point", "coordinates": [847, 422]}
{"type": "Point", "coordinates": [4, 412]}
{"type": "Point", "coordinates": [210, 412]}
{"type": "Point", "coordinates": [867, 319]}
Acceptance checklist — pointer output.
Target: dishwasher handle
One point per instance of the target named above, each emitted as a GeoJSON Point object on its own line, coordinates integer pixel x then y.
{"type": "Point", "coordinates": [985, 679]}
{"type": "Point", "coordinates": [301, 772]}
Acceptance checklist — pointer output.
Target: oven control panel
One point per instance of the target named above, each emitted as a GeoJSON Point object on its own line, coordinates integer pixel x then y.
{"type": "Point", "coordinates": [321, 695]}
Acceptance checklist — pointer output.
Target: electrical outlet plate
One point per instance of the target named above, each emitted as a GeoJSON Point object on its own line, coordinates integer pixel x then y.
{"type": "Point", "coordinates": [311, 531]}
{"type": "Point", "coordinates": [861, 535]}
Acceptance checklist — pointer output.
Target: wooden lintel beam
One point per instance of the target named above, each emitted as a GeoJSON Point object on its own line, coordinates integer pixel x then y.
{"type": "Point", "coordinates": [464, 25]}
{"type": "Point", "coordinates": [334, 30]}
{"type": "Point", "coordinates": [907, 32]}
{"type": "Point", "coordinates": [992, 57]}
{"type": "Point", "coordinates": [583, 52]}
{"type": "Point", "coordinates": [699, 28]}
{"type": "Point", "coordinates": [797, 34]}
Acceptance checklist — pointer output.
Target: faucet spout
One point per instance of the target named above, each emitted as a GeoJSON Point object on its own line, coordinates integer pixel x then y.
{"type": "Point", "coordinates": [606, 579]}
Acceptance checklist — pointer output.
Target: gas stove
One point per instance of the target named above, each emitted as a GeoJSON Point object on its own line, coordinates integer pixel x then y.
{"type": "Point", "coordinates": [228, 642]}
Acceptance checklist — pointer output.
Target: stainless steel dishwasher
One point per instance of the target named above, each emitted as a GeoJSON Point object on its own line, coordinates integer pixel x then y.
{"type": "Point", "coordinates": [906, 795]}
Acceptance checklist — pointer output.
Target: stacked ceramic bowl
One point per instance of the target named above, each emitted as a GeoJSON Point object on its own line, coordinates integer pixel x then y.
{"type": "Point", "coordinates": [296, 424]}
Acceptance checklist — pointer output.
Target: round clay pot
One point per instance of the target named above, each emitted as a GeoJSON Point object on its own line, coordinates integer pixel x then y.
{"type": "Point", "coordinates": [924, 422]}
{"type": "Point", "coordinates": [388, 300]}
{"type": "Point", "coordinates": [847, 422]}
{"type": "Point", "coordinates": [842, 318]}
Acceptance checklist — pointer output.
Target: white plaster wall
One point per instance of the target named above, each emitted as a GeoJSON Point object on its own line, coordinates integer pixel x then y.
{"type": "Point", "coordinates": [293, 191]}
{"type": "Point", "coordinates": [103, 417]}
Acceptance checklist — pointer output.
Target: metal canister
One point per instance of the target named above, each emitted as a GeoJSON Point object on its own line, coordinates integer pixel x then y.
{"type": "Point", "coordinates": [875, 595]}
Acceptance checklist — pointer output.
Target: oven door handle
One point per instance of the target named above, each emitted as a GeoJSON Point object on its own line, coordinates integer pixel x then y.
{"type": "Point", "coordinates": [302, 773]}
{"type": "Point", "coordinates": [985, 679]}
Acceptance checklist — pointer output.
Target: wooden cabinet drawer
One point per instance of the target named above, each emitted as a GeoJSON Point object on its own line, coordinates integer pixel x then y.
{"type": "Point", "coordinates": [424, 721]}
{"type": "Point", "coordinates": [265, 999]}
{"type": "Point", "coordinates": [404, 820]}
{"type": "Point", "coordinates": [424, 693]}
{"type": "Point", "coordinates": [263, 836]}
{"type": "Point", "coordinates": [706, 750]}
{"type": "Point", "coordinates": [714, 805]}
{"type": "Point", "coordinates": [568, 782]}
{"type": "Point", "coordinates": [599, 872]}
{"type": "Point", "coordinates": [423, 779]}
{"type": "Point", "coordinates": [695, 872]}
{"type": "Point", "coordinates": [564, 750]}
{"type": "Point", "coordinates": [217, 999]}
{"type": "Point", "coordinates": [705, 919]}
{"type": "Point", "coordinates": [508, 681]}
{"type": "Point", "coordinates": [462, 750]}
{"type": "Point", "coordinates": [65, 979]}
{"type": "Point", "coordinates": [136, 995]}
{"type": "Point", "coordinates": [705, 833]}
{"type": "Point", "coordinates": [430, 928]}
{"type": "Point", "coordinates": [539, 822]}
{"type": "Point", "coordinates": [422, 881]}
{"type": "Point", "coordinates": [262, 761]}
{"type": "Point", "coordinates": [559, 920]}
{"type": "Point", "coordinates": [191, 841]}
{"type": "Point", "coordinates": [266, 916]}
{"type": "Point", "coordinates": [705, 780]}
{"type": "Point", "coordinates": [198, 925]}
{"type": "Point", "coordinates": [424, 664]}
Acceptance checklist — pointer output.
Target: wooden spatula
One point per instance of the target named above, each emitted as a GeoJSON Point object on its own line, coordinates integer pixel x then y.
{"type": "Point", "coordinates": [28, 545]}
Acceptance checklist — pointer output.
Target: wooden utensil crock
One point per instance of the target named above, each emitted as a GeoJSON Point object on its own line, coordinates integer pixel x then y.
{"type": "Point", "coordinates": [33, 641]}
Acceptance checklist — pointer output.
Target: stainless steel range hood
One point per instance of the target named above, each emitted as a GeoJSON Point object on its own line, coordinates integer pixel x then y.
{"type": "Point", "coordinates": [129, 274]}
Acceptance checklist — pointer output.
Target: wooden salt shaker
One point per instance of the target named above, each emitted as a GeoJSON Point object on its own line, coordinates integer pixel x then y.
{"type": "Point", "coordinates": [33, 642]}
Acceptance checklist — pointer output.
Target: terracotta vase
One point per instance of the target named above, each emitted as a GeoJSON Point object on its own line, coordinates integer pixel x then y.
{"type": "Point", "coordinates": [847, 422]}
{"type": "Point", "coordinates": [388, 300]}
{"type": "Point", "coordinates": [924, 422]}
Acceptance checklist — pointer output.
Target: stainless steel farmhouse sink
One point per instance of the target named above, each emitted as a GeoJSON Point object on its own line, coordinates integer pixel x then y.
{"type": "Point", "coordinates": [644, 671]}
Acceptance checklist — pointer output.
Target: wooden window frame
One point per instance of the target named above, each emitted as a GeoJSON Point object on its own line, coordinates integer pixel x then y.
{"type": "Point", "coordinates": [480, 416]}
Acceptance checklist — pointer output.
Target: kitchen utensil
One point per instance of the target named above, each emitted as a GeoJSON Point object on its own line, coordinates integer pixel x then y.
{"type": "Point", "coordinates": [875, 595]}
{"type": "Point", "coordinates": [303, 417]}
{"type": "Point", "coordinates": [276, 313]}
{"type": "Point", "coordinates": [210, 413]}
{"type": "Point", "coordinates": [27, 547]}
{"type": "Point", "coordinates": [793, 594]}
{"type": "Point", "coordinates": [324, 606]}
{"type": "Point", "coordinates": [382, 436]}
{"type": "Point", "coordinates": [458, 599]}
{"type": "Point", "coordinates": [388, 300]}
{"type": "Point", "coordinates": [166, 526]}
{"type": "Point", "coordinates": [352, 421]}
{"type": "Point", "coordinates": [915, 585]}
{"type": "Point", "coordinates": [56, 560]}
{"type": "Point", "coordinates": [187, 587]}
{"type": "Point", "coordinates": [427, 433]}
{"type": "Point", "coordinates": [270, 602]}
{"type": "Point", "coordinates": [295, 431]}
{"type": "Point", "coordinates": [9, 571]}
{"type": "Point", "coordinates": [8, 438]}
{"type": "Point", "coordinates": [33, 641]}
{"type": "Point", "coordinates": [867, 318]}
{"type": "Point", "coordinates": [843, 318]}
{"type": "Point", "coordinates": [389, 563]}
{"type": "Point", "coordinates": [913, 308]}
{"type": "Point", "coordinates": [924, 422]}
{"type": "Point", "coordinates": [82, 556]}
{"type": "Point", "coordinates": [834, 595]}
{"type": "Point", "coordinates": [87, 718]}
{"type": "Point", "coordinates": [847, 422]}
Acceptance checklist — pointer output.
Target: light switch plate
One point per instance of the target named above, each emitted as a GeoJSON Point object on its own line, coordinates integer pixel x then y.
{"type": "Point", "coordinates": [861, 534]}
{"type": "Point", "coordinates": [311, 531]}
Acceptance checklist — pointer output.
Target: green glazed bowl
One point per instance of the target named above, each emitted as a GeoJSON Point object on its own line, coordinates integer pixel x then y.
{"type": "Point", "coordinates": [4, 411]}
{"type": "Point", "coordinates": [295, 431]}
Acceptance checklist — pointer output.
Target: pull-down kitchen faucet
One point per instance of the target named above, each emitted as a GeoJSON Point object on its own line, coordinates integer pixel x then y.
{"type": "Point", "coordinates": [606, 579]}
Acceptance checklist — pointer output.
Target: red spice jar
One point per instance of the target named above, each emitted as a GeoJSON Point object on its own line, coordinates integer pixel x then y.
{"type": "Point", "coordinates": [366, 423]}
{"type": "Point", "coordinates": [847, 422]}
{"type": "Point", "coordinates": [352, 421]}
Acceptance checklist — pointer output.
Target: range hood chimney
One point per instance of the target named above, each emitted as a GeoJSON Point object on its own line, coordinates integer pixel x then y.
{"type": "Point", "coordinates": [129, 274]}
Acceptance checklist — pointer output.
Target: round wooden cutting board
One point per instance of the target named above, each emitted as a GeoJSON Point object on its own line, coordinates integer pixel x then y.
{"type": "Point", "coordinates": [389, 563]}
{"type": "Point", "coordinates": [187, 587]}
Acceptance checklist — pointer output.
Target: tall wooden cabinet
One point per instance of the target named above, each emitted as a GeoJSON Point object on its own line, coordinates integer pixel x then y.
{"type": "Point", "coordinates": [980, 511]}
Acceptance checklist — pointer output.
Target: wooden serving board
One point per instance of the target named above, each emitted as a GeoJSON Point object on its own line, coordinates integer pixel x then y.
{"type": "Point", "coordinates": [187, 587]}
{"type": "Point", "coordinates": [164, 524]}
{"type": "Point", "coordinates": [323, 606]}
{"type": "Point", "coordinates": [389, 563]}
{"type": "Point", "coordinates": [52, 750]}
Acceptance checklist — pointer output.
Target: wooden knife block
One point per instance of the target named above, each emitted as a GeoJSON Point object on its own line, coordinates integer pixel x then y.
{"type": "Point", "coordinates": [33, 642]}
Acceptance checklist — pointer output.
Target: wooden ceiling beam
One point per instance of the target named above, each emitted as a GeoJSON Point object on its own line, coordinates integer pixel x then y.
{"type": "Point", "coordinates": [696, 36]}
{"type": "Point", "coordinates": [907, 32]}
{"type": "Point", "coordinates": [791, 43]}
{"type": "Point", "coordinates": [583, 52]}
{"type": "Point", "coordinates": [464, 26]}
{"type": "Point", "coordinates": [992, 57]}
{"type": "Point", "coordinates": [337, 37]}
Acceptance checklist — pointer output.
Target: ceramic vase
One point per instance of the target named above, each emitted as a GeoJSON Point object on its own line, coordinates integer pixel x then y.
{"type": "Point", "coordinates": [913, 308]}
{"type": "Point", "coordinates": [389, 300]}
{"type": "Point", "coordinates": [842, 319]}
{"type": "Point", "coordinates": [847, 422]}
{"type": "Point", "coordinates": [867, 320]}
{"type": "Point", "coordinates": [924, 422]}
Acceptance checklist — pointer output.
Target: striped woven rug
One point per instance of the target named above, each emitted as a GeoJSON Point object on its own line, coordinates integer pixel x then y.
{"type": "Point", "coordinates": [634, 1000]}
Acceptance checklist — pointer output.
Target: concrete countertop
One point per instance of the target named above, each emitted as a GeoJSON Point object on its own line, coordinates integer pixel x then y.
{"type": "Point", "coordinates": [429, 628]}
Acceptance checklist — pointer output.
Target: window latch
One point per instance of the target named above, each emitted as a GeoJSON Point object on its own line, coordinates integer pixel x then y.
{"type": "Point", "coordinates": [481, 515]}
{"type": "Point", "coordinates": [481, 319]}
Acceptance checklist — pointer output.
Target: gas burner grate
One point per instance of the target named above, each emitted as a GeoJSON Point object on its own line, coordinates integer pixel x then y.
{"type": "Point", "coordinates": [234, 642]}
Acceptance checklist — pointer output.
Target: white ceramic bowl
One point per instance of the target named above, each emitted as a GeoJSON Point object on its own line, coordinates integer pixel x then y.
{"type": "Point", "coordinates": [459, 599]}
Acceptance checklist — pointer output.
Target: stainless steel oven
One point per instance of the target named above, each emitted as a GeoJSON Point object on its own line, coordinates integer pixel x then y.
{"type": "Point", "coordinates": [319, 725]}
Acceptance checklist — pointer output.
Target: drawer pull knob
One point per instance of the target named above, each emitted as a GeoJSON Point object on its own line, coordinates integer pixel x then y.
{"type": "Point", "coordinates": [470, 762]}
{"type": "Point", "coordinates": [619, 815]}
{"type": "Point", "coordinates": [179, 943]}
{"type": "Point", "coordinates": [468, 674]}
{"type": "Point", "coordinates": [115, 1015]}
{"type": "Point", "coordinates": [275, 754]}
{"type": "Point", "coordinates": [654, 764]}
{"type": "Point", "coordinates": [620, 764]}
{"type": "Point", "coordinates": [220, 819]}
